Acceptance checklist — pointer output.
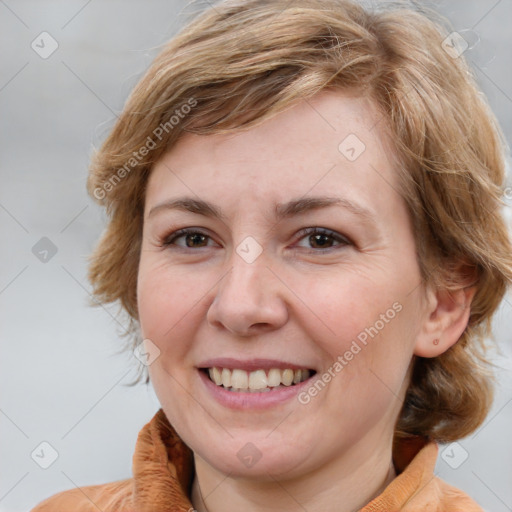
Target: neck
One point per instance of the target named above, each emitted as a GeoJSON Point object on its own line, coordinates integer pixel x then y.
{"type": "Point", "coordinates": [344, 485]}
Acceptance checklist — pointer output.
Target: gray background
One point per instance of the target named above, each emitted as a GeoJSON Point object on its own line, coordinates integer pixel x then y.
{"type": "Point", "coordinates": [61, 379]}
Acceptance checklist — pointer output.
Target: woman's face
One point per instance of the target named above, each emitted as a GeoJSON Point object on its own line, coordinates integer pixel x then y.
{"type": "Point", "coordinates": [299, 256]}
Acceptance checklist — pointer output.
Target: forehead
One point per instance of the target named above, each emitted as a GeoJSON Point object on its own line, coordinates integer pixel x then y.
{"type": "Point", "coordinates": [330, 143]}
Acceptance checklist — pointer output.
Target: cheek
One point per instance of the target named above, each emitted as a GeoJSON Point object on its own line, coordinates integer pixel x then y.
{"type": "Point", "coordinates": [169, 312]}
{"type": "Point", "coordinates": [366, 327]}
{"type": "Point", "coordinates": [169, 305]}
{"type": "Point", "coordinates": [345, 307]}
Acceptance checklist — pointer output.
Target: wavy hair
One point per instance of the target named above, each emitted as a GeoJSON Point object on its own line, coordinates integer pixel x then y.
{"type": "Point", "coordinates": [242, 62]}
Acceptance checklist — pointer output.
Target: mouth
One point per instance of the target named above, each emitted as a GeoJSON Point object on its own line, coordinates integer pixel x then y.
{"type": "Point", "coordinates": [262, 380]}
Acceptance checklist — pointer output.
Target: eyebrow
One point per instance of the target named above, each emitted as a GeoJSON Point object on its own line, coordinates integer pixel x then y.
{"type": "Point", "coordinates": [282, 210]}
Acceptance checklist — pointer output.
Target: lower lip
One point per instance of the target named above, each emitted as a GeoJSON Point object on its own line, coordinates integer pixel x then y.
{"type": "Point", "coordinates": [249, 400]}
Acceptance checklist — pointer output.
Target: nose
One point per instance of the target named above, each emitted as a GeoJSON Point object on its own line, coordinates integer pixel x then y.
{"type": "Point", "coordinates": [249, 300]}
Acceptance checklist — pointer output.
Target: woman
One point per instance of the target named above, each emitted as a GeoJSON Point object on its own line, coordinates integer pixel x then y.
{"type": "Point", "coordinates": [305, 230]}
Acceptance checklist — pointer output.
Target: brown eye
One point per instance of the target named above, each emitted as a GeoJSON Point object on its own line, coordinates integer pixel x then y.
{"type": "Point", "coordinates": [192, 239]}
{"type": "Point", "coordinates": [320, 241]}
{"type": "Point", "coordinates": [319, 238]}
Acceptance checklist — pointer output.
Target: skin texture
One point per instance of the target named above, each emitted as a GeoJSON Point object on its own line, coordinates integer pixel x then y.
{"type": "Point", "coordinates": [303, 300]}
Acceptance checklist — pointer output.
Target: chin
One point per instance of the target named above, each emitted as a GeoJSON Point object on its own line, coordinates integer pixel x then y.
{"type": "Point", "coordinates": [255, 457]}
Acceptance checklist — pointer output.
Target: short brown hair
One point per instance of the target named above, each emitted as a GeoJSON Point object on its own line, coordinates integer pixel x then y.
{"type": "Point", "coordinates": [244, 61]}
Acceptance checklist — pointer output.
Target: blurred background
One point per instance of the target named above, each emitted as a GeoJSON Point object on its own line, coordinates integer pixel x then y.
{"type": "Point", "coordinates": [66, 70]}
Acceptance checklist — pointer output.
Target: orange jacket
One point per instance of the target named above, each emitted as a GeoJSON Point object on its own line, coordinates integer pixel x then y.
{"type": "Point", "coordinates": [163, 474]}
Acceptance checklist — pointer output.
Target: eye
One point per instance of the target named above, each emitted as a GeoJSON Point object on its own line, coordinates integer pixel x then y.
{"type": "Point", "coordinates": [193, 238]}
{"type": "Point", "coordinates": [321, 238]}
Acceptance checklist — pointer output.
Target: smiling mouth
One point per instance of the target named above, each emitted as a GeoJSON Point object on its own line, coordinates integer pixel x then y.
{"type": "Point", "coordinates": [258, 381]}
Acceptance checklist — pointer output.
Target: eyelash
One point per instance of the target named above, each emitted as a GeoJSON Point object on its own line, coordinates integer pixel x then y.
{"type": "Point", "coordinates": [342, 240]}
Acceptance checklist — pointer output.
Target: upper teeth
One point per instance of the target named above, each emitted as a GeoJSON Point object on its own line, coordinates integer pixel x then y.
{"type": "Point", "coordinates": [257, 380]}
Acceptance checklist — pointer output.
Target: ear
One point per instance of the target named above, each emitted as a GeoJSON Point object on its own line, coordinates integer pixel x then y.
{"type": "Point", "coordinates": [447, 316]}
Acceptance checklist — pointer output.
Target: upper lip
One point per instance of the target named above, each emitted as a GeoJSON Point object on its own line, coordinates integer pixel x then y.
{"type": "Point", "coordinates": [250, 364]}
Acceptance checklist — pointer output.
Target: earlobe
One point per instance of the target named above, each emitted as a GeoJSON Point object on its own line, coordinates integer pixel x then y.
{"type": "Point", "coordinates": [445, 321]}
